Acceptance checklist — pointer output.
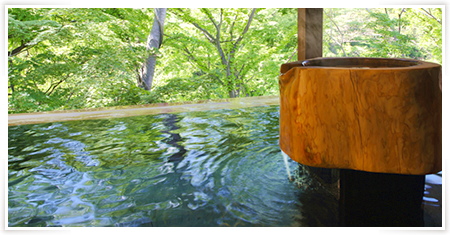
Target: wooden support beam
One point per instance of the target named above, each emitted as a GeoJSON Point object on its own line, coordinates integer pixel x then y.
{"type": "Point", "coordinates": [310, 27]}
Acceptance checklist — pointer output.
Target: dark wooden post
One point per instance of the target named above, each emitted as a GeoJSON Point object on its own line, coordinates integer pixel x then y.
{"type": "Point", "coordinates": [309, 21]}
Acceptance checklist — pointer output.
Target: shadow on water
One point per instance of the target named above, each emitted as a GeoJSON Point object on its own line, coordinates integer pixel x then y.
{"type": "Point", "coordinates": [170, 122]}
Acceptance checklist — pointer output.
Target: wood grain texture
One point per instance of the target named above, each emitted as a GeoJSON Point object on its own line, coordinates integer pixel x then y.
{"type": "Point", "coordinates": [376, 115]}
{"type": "Point", "coordinates": [309, 32]}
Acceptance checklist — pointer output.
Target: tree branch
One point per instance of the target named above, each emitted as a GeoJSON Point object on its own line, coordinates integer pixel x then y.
{"type": "Point", "coordinates": [191, 56]}
{"type": "Point", "coordinates": [247, 26]}
{"type": "Point", "coordinates": [201, 67]}
{"type": "Point", "coordinates": [399, 23]}
{"type": "Point", "coordinates": [431, 15]}
{"type": "Point", "coordinates": [231, 28]}
{"type": "Point", "coordinates": [293, 55]}
{"type": "Point", "coordinates": [241, 69]}
{"type": "Point", "coordinates": [56, 85]}
{"type": "Point", "coordinates": [219, 47]}
{"type": "Point", "coordinates": [238, 73]}
{"type": "Point", "coordinates": [250, 78]}
{"type": "Point", "coordinates": [209, 15]}
{"type": "Point", "coordinates": [342, 35]}
{"type": "Point", "coordinates": [218, 79]}
{"type": "Point", "coordinates": [18, 49]}
{"type": "Point", "coordinates": [243, 33]}
{"type": "Point", "coordinates": [204, 31]}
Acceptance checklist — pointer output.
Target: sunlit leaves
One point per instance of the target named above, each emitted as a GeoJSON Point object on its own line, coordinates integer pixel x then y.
{"type": "Point", "coordinates": [390, 32]}
{"type": "Point", "coordinates": [254, 62]}
{"type": "Point", "coordinates": [72, 55]}
{"type": "Point", "coordinates": [67, 58]}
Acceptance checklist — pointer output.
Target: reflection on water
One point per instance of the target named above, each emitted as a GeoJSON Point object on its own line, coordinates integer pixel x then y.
{"type": "Point", "coordinates": [215, 168]}
{"type": "Point", "coordinates": [432, 200]}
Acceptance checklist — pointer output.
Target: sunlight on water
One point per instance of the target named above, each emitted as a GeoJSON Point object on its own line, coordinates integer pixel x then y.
{"type": "Point", "coordinates": [193, 169]}
{"type": "Point", "coordinates": [285, 158]}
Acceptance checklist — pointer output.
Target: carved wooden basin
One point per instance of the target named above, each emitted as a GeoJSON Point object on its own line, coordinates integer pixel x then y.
{"type": "Point", "coordinates": [370, 114]}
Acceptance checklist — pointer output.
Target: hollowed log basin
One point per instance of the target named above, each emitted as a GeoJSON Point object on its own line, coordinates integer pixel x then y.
{"type": "Point", "coordinates": [369, 114]}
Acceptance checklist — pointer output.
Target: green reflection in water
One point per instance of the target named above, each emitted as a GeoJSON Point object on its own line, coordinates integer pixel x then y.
{"type": "Point", "coordinates": [215, 168]}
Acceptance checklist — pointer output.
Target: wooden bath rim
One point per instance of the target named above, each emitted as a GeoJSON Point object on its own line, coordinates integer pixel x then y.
{"type": "Point", "coordinates": [341, 62]}
{"type": "Point", "coordinates": [138, 110]}
{"type": "Point", "coordinates": [372, 114]}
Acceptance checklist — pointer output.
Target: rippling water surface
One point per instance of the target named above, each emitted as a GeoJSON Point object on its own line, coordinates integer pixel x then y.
{"type": "Point", "coordinates": [214, 168]}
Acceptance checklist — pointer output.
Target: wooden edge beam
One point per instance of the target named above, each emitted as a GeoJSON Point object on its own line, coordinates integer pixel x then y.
{"type": "Point", "coordinates": [309, 31]}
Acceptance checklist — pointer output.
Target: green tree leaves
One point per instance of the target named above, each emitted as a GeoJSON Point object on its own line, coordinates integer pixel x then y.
{"type": "Point", "coordinates": [71, 58]}
{"type": "Point", "coordinates": [400, 33]}
{"type": "Point", "coordinates": [237, 45]}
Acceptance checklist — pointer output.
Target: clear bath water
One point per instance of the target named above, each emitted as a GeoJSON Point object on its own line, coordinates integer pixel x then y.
{"type": "Point", "coordinates": [214, 168]}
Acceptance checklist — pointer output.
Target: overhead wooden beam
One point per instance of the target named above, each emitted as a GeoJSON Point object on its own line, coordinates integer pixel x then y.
{"type": "Point", "coordinates": [310, 26]}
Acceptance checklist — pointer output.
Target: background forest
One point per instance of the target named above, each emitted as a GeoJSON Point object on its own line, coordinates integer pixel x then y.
{"type": "Point", "coordinates": [73, 58]}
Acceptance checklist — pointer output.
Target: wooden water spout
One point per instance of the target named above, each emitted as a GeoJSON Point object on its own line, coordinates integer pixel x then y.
{"type": "Point", "coordinates": [370, 114]}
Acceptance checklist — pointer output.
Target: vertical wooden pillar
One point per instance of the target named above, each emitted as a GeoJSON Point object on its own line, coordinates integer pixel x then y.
{"type": "Point", "coordinates": [309, 29]}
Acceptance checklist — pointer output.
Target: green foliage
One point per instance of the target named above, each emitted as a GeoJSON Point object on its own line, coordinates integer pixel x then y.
{"type": "Point", "coordinates": [69, 58]}
{"type": "Point", "coordinates": [400, 33]}
{"type": "Point", "coordinates": [248, 67]}
{"type": "Point", "coordinates": [74, 58]}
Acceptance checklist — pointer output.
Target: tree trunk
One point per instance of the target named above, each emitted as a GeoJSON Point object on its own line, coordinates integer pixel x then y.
{"type": "Point", "coordinates": [10, 78]}
{"type": "Point", "coordinates": [153, 42]}
{"type": "Point", "coordinates": [231, 94]}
